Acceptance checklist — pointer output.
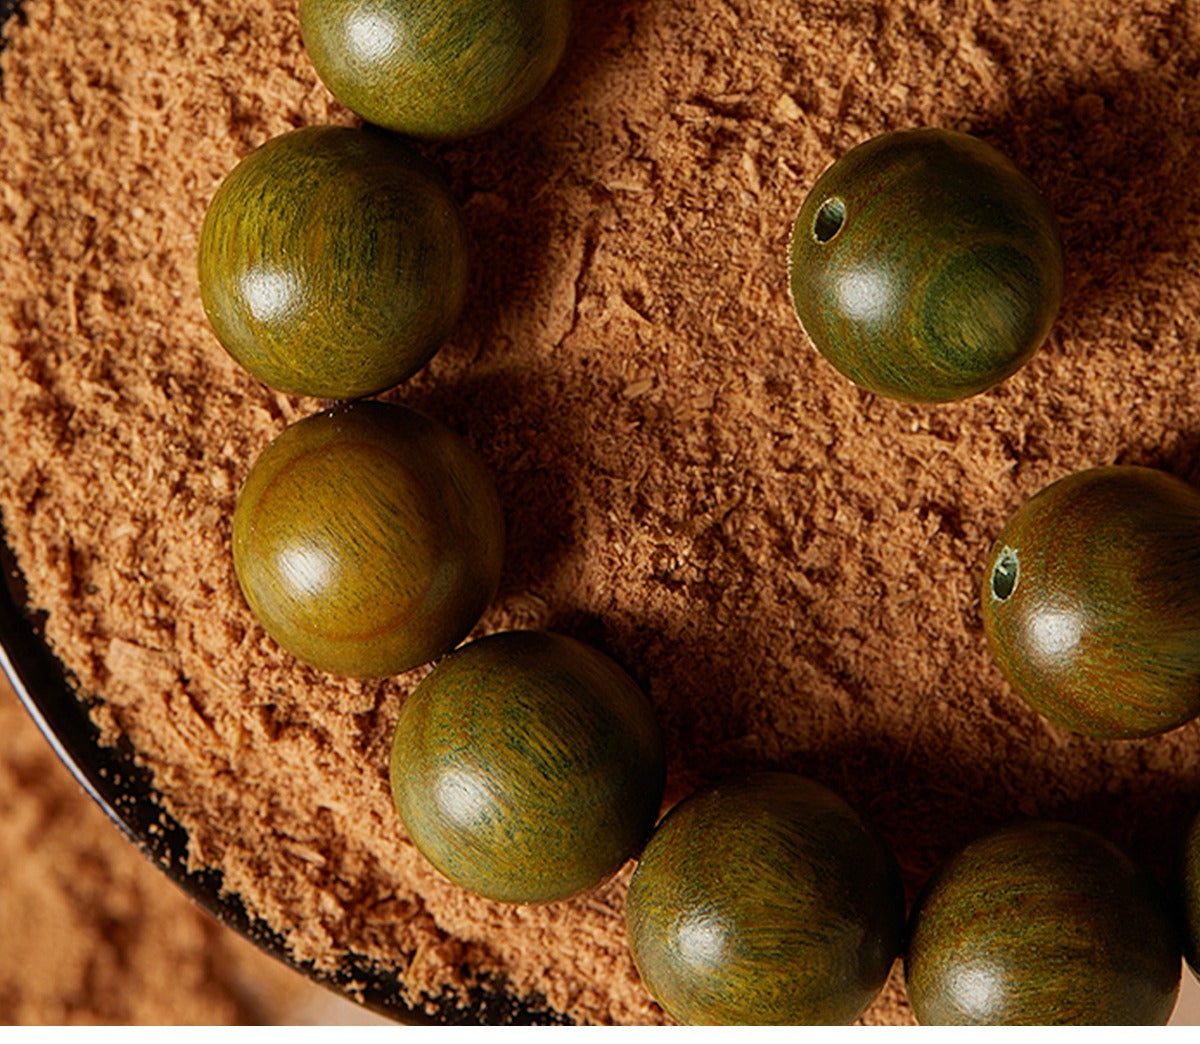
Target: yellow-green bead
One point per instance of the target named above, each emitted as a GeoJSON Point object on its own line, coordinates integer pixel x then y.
{"type": "Point", "coordinates": [924, 266]}
{"type": "Point", "coordinates": [1041, 923]}
{"type": "Point", "coordinates": [1091, 602]}
{"type": "Point", "coordinates": [368, 539]}
{"type": "Point", "coordinates": [436, 69]}
{"type": "Point", "coordinates": [528, 767]}
{"type": "Point", "coordinates": [333, 262]}
{"type": "Point", "coordinates": [765, 900]}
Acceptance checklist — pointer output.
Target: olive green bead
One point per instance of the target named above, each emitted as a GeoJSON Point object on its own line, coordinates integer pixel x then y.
{"type": "Point", "coordinates": [528, 767]}
{"type": "Point", "coordinates": [1091, 602]}
{"type": "Point", "coordinates": [436, 69]}
{"type": "Point", "coordinates": [1041, 923]}
{"type": "Point", "coordinates": [368, 539]}
{"type": "Point", "coordinates": [1190, 886]}
{"type": "Point", "coordinates": [765, 900]}
{"type": "Point", "coordinates": [333, 262]}
{"type": "Point", "coordinates": [924, 266]}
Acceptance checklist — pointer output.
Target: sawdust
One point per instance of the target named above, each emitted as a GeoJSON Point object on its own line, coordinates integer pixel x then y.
{"type": "Point", "coordinates": [788, 565]}
{"type": "Point", "coordinates": [90, 932]}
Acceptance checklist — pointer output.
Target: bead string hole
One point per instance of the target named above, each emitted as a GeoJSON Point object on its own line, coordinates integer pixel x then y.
{"type": "Point", "coordinates": [1005, 574]}
{"type": "Point", "coordinates": [829, 220]}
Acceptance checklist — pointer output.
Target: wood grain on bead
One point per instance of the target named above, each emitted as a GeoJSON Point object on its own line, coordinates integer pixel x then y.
{"type": "Point", "coordinates": [924, 266]}
{"type": "Point", "coordinates": [368, 539]}
{"type": "Point", "coordinates": [528, 767]}
{"type": "Point", "coordinates": [1091, 602]}
{"type": "Point", "coordinates": [1041, 924]}
{"type": "Point", "coordinates": [765, 900]}
{"type": "Point", "coordinates": [435, 68]}
{"type": "Point", "coordinates": [333, 262]}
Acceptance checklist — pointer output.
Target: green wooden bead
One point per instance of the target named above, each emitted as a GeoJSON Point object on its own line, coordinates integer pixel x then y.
{"type": "Point", "coordinates": [924, 266]}
{"type": "Point", "coordinates": [528, 767]}
{"type": "Point", "coordinates": [1041, 924]}
{"type": "Point", "coordinates": [333, 262]}
{"type": "Point", "coordinates": [1091, 602]}
{"type": "Point", "coordinates": [765, 899]}
{"type": "Point", "coordinates": [435, 68]}
{"type": "Point", "coordinates": [1190, 879]}
{"type": "Point", "coordinates": [368, 539]}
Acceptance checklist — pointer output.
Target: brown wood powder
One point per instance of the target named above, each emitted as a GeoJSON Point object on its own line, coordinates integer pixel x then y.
{"type": "Point", "coordinates": [788, 565]}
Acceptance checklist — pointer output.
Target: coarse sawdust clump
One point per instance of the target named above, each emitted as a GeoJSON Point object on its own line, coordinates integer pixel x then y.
{"type": "Point", "coordinates": [789, 565]}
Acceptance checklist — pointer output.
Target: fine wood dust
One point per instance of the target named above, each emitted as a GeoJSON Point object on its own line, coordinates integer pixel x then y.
{"type": "Point", "coordinates": [789, 565]}
{"type": "Point", "coordinates": [90, 932]}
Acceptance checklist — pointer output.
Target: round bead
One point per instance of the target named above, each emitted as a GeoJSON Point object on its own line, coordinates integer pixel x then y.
{"type": "Point", "coordinates": [435, 68]}
{"type": "Point", "coordinates": [1041, 924]}
{"type": "Point", "coordinates": [924, 266]}
{"type": "Point", "coordinates": [333, 262]}
{"type": "Point", "coordinates": [765, 900]}
{"type": "Point", "coordinates": [368, 539]}
{"type": "Point", "coordinates": [1091, 602]}
{"type": "Point", "coordinates": [528, 767]}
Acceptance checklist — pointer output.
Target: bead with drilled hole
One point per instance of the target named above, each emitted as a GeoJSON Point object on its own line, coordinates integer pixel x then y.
{"type": "Point", "coordinates": [924, 266]}
{"type": "Point", "coordinates": [1091, 602]}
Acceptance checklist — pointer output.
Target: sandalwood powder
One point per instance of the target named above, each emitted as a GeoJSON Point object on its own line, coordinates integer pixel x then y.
{"type": "Point", "coordinates": [787, 564]}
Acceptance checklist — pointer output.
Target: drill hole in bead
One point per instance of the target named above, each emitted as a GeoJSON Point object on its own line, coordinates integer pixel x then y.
{"type": "Point", "coordinates": [829, 220]}
{"type": "Point", "coordinates": [1005, 575]}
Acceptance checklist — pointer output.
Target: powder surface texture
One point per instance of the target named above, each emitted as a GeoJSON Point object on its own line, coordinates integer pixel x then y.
{"type": "Point", "coordinates": [787, 564]}
{"type": "Point", "coordinates": [90, 932]}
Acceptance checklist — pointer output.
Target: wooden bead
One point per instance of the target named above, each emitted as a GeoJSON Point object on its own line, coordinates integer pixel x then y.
{"type": "Point", "coordinates": [924, 266]}
{"type": "Point", "coordinates": [528, 767]}
{"type": "Point", "coordinates": [1041, 924]}
{"type": "Point", "coordinates": [368, 539]}
{"type": "Point", "coordinates": [333, 262]}
{"type": "Point", "coordinates": [435, 68]}
{"type": "Point", "coordinates": [1091, 602]}
{"type": "Point", "coordinates": [762, 900]}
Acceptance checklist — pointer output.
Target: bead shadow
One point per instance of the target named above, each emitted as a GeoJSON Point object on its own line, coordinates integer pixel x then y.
{"type": "Point", "coordinates": [512, 216]}
{"type": "Point", "coordinates": [537, 481]}
{"type": "Point", "coordinates": [702, 676]}
{"type": "Point", "coordinates": [8, 9]}
{"type": "Point", "coordinates": [701, 746]}
{"type": "Point", "coordinates": [927, 808]}
{"type": "Point", "coordinates": [1115, 160]}
{"type": "Point", "coordinates": [1176, 452]}
{"type": "Point", "coordinates": [512, 221]}
{"type": "Point", "coordinates": [915, 789]}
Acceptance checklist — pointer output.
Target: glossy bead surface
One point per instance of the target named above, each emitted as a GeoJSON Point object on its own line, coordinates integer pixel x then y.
{"type": "Point", "coordinates": [924, 266]}
{"type": "Point", "coordinates": [333, 262]}
{"type": "Point", "coordinates": [368, 539]}
{"type": "Point", "coordinates": [1041, 924]}
{"type": "Point", "coordinates": [765, 900]}
{"type": "Point", "coordinates": [435, 68]}
{"type": "Point", "coordinates": [1091, 602]}
{"type": "Point", "coordinates": [528, 767]}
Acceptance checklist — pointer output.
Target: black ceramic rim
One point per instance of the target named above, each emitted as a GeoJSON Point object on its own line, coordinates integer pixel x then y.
{"type": "Point", "coordinates": [126, 792]}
